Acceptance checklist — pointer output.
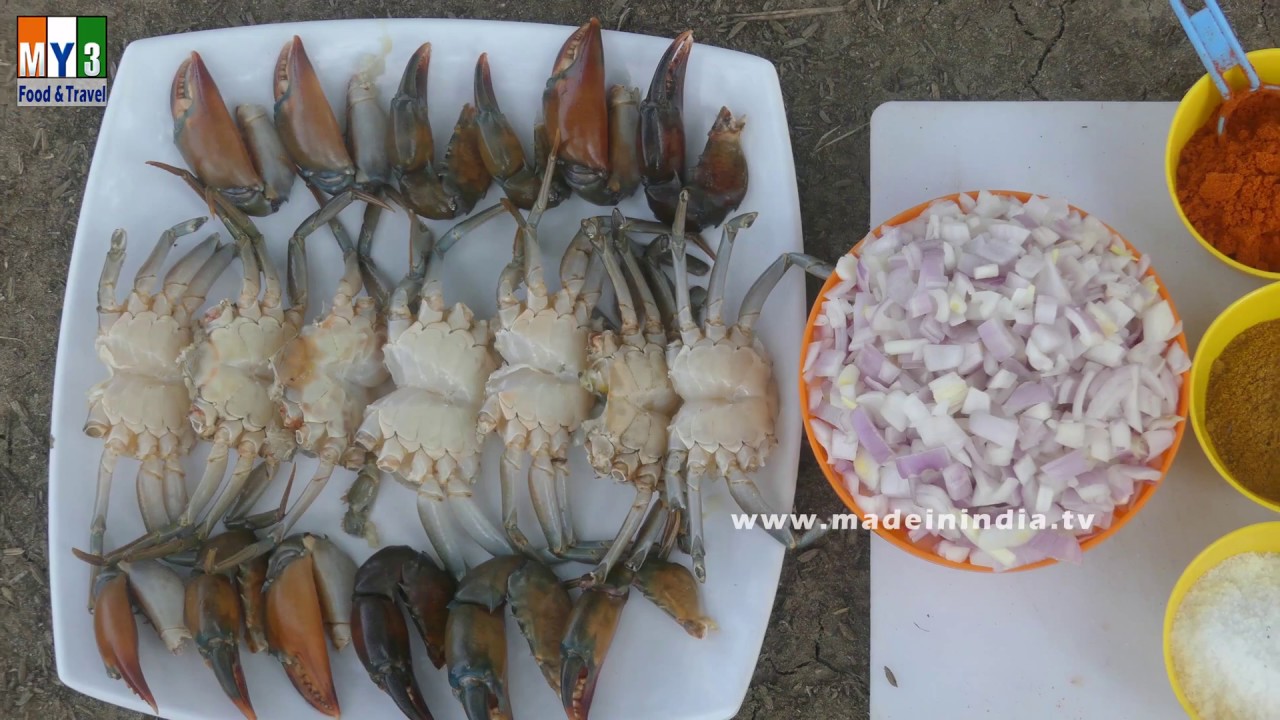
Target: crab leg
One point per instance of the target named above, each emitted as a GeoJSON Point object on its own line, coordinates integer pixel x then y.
{"type": "Point", "coordinates": [753, 302]}
{"type": "Point", "coordinates": [720, 272]}
{"type": "Point", "coordinates": [359, 499]}
{"type": "Point", "coordinates": [270, 158]}
{"type": "Point", "coordinates": [159, 594]}
{"type": "Point", "coordinates": [654, 322]}
{"type": "Point", "coordinates": [175, 486]}
{"type": "Point", "coordinates": [438, 523]}
{"type": "Point", "coordinates": [194, 294]}
{"type": "Point", "coordinates": [102, 498]}
{"type": "Point", "coordinates": [151, 494]}
{"type": "Point", "coordinates": [684, 311]}
{"type": "Point", "coordinates": [144, 282]}
{"type": "Point", "coordinates": [254, 487]}
{"type": "Point", "coordinates": [655, 525]}
{"type": "Point", "coordinates": [367, 128]}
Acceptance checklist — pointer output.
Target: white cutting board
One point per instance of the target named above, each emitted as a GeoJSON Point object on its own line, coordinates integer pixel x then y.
{"type": "Point", "coordinates": [1064, 641]}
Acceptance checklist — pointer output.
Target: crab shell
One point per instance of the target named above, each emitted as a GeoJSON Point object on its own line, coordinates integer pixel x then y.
{"type": "Point", "coordinates": [439, 369]}
{"type": "Point", "coordinates": [730, 402]}
{"type": "Point", "coordinates": [632, 429]}
{"type": "Point", "coordinates": [228, 372]}
{"type": "Point", "coordinates": [325, 377]}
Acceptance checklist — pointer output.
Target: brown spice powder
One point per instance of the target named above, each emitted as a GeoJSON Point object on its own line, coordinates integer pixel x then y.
{"type": "Point", "coordinates": [1242, 408]}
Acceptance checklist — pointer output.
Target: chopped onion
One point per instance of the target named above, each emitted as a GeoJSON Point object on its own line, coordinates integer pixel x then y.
{"type": "Point", "coordinates": [994, 355]}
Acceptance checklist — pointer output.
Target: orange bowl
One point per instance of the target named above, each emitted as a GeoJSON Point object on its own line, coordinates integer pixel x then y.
{"type": "Point", "coordinates": [899, 537]}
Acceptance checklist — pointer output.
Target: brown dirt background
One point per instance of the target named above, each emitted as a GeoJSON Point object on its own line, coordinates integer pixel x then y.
{"type": "Point", "coordinates": [835, 69]}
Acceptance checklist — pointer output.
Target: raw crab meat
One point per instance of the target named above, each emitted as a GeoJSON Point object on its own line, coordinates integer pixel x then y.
{"type": "Point", "coordinates": [227, 372]}
{"type": "Point", "coordinates": [324, 379]}
{"type": "Point", "coordinates": [535, 398]}
{"type": "Point", "coordinates": [725, 428]}
{"type": "Point", "coordinates": [140, 410]}
{"type": "Point", "coordinates": [426, 432]}
{"type": "Point", "coordinates": [628, 441]}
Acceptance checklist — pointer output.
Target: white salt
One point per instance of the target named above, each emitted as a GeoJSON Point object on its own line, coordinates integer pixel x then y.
{"type": "Point", "coordinates": [1226, 640]}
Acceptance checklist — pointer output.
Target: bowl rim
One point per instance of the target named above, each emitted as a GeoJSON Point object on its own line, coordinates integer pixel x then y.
{"type": "Point", "coordinates": [1170, 609]}
{"type": "Point", "coordinates": [1202, 432]}
{"type": "Point", "coordinates": [1172, 156]}
{"type": "Point", "coordinates": [898, 537]}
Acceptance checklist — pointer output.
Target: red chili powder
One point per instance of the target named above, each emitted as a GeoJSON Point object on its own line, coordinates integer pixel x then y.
{"type": "Point", "coordinates": [1229, 186]}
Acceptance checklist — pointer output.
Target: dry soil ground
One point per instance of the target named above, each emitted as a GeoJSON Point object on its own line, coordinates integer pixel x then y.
{"type": "Point", "coordinates": [835, 67]}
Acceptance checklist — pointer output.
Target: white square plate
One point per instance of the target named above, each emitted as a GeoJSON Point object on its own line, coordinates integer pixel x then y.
{"type": "Point", "coordinates": [654, 669]}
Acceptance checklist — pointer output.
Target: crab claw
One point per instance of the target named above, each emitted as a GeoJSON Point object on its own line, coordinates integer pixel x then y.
{"type": "Point", "coordinates": [597, 130]}
{"type": "Point", "coordinates": [476, 652]}
{"type": "Point", "coordinates": [296, 626]}
{"type": "Point", "coordinates": [250, 577]}
{"type": "Point", "coordinates": [116, 631]}
{"type": "Point", "coordinates": [465, 178]}
{"type": "Point", "coordinates": [426, 591]}
{"type": "Point", "coordinates": [576, 108]}
{"type": "Point", "coordinates": [720, 179]}
{"type": "Point", "coordinates": [586, 643]}
{"type": "Point", "coordinates": [475, 645]}
{"type": "Point", "coordinates": [412, 143]}
{"type": "Point", "coordinates": [673, 588]}
{"type": "Point", "coordinates": [209, 140]}
{"type": "Point", "coordinates": [541, 606]}
{"type": "Point", "coordinates": [500, 148]}
{"type": "Point", "coordinates": [391, 579]}
{"type": "Point", "coordinates": [307, 125]}
{"type": "Point", "coordinates": [383, 585]}
{"type": "Point", "coordinates": [213, 615]}
{"type": "Point", "coordinates": [661, 129]}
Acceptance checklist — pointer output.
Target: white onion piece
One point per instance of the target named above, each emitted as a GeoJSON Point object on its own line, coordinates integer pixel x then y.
{"type": "Point", "coordinates": [992, 355]}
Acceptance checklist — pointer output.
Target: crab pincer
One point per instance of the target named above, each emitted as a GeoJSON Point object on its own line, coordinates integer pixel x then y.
{"type": "Point", "coordinates": [719, 181]}
{"type": "Point", "coordinates": [214, 615]}
{"type": "Point", "coordinates": [154, 589]}
{"type": "Point", "coordinates": [116, 631]}
{"type": "Point", "coordinates": [393, 580]}
{"type": "Point", "coordinates": [309, 592]}
{"type": "Point", "coordinates": [210, 142]}
{"type": "Point", "coordinates": [586, 642]}
{"type": "Point", "coordinates": [674, 589]}
{"type": "Point", "coordinates": [519, 176]}
{"type": "Point", "coordinates": [475, 640]}
{"type": "Point", "coordinates": [306, 123]}
{"type": "Point", "coordinates": [597, 130]}
{"type": "Point", "coordinates": [439, 192]}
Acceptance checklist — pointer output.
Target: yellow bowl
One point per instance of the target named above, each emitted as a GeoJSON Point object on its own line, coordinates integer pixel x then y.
{"type": "Point", "coordinates": [1258, 306]}
{"type": "Point", "coordinates": [1263, 537]}
{"type": "Point", "coordinates": [1195, 109]}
